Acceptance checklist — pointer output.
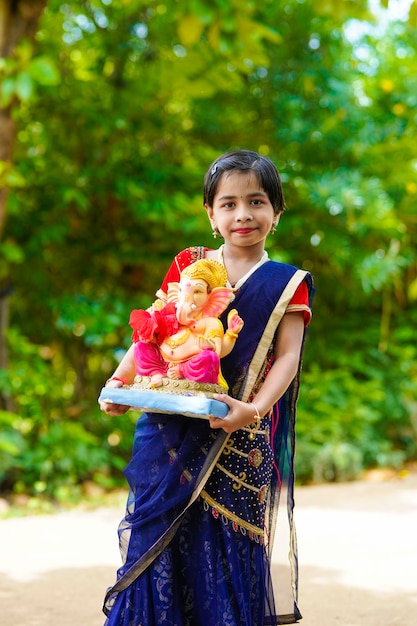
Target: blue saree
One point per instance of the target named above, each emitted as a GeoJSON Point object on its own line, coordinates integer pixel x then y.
{"type": "Point", "coordinates": [197, 537]}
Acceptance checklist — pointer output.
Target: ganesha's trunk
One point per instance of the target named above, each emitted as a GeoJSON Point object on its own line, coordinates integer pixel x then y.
{"type": "Point", "coordinates": [185, 313]}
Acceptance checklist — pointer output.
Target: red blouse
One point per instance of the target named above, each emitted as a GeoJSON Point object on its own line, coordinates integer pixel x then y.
{"type": "Point", "coordinates": [299, 301]}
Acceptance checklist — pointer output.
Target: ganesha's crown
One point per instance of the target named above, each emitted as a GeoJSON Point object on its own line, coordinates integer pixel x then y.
{"type": "Point", "coordinates": [212, 272]}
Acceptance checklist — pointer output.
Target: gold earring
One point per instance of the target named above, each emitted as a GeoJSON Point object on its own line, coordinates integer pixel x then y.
{"type": "Point", "coordinates": [216, 233]}
{"type": "Point", "coordinates": [273, 229]}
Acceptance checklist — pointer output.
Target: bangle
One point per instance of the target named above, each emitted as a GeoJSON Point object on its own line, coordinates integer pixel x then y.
{"type": "Point", "coordinates": [257, 419]}
{"type": "Point", "coordinates": [231, 334]}
{"type": "Point", "coordinates": [121, 380]}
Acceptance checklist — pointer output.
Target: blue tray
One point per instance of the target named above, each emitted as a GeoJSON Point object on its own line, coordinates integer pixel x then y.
{"type": "Point", "coordinates": [157, 402]}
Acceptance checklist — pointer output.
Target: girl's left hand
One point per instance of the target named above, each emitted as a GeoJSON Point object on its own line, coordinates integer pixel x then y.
{"type": "Point", "coordinates": [240, 414]}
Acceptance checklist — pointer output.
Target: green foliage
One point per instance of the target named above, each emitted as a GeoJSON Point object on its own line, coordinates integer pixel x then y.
{"type": "Point", "coordinates": [120, 107]}
{"type": "Point", "coordinates": [361, 412]}
{"type": "Point", "coordinates": [23, 72]}
{"type": "Point", "coordinates": [49, 447]}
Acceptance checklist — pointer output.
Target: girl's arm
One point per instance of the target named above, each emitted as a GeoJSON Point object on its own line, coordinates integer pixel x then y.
{"type": "Point", "coordinates": [126, 368]}
{"type": "Point", "coordinates": [287, 356]}
{"type": "Point", "coordinates": [124, 374]}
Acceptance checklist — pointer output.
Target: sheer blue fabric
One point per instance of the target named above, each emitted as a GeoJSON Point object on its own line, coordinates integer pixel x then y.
{"type": "Point", "coordinates": [217, 574]}
{"type": "Point", "coordinates": [202, 503]}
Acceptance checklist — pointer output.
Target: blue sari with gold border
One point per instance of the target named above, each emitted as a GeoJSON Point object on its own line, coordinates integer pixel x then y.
{"type": "Point", "coordinates": [203, 506]}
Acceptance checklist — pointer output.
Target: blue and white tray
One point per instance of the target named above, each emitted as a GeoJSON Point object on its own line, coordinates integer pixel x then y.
{"type": "Point", "coordinates": [156, 402]}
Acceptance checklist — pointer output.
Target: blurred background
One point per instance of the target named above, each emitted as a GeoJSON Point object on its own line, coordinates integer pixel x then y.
{"type": "Point", "coordinates": [110, 113]}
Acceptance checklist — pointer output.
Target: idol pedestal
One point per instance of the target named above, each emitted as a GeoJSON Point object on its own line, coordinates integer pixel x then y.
{"type": "Point", "coordinates": [181, 397]}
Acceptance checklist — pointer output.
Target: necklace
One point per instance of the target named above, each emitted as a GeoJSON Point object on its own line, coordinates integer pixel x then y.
{"type": "Point", "coordinates": [174, 343]}
{"type": "Point", "coordinates": [243, 279]}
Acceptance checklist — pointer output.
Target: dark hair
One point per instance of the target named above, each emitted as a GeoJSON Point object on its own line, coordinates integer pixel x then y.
{"type": "Point", "coordinates": [245, 161]}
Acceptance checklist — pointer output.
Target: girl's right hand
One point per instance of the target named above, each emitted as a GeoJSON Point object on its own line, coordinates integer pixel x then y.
{"type": "Point", "coordinates": [110, 408]}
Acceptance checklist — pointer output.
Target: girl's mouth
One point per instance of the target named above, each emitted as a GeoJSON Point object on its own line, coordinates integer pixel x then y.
{"type": "Point", "coordinates": [243, 231]}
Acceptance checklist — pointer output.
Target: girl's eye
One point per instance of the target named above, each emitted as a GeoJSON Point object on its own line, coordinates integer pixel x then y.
{"type": "Point", "coordinates": [256, 202]}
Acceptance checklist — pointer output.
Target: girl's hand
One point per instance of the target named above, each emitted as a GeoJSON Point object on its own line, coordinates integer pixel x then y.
{"type": "Point", "coordinates": [110, 408]}
{"type": "Point", "coordinates": [240, 414]}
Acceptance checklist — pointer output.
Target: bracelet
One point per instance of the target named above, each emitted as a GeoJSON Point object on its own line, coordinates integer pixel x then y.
{"type": "Point", "coordinates": [257, 419]}
{"type": "Point", "coordinates": [231, 334]}
{"type": "Point", "coordinates": [121, 380]}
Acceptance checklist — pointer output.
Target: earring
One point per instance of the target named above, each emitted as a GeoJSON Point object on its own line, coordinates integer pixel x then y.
{"type": "Point", "coordinates": [273, 229]}
{"type": "Point", "coordinates": [216, 233]}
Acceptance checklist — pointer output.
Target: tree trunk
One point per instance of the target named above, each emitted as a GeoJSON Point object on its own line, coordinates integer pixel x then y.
{"type": "Point", "coordinates": [7, 133]}
{"type": "Point", "coordinates": [18, 20]}
{"type": "Point", "coordinates": [6, 400]}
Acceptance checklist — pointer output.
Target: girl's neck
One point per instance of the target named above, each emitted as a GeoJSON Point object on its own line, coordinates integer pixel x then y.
{"type": "Point", "coordinates": [245, 255]}
{"type": "Point", "coordinates": [240, 266]}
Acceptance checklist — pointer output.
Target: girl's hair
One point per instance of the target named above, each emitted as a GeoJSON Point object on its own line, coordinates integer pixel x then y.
{"type": "Point", "coordinates": [245, 161]}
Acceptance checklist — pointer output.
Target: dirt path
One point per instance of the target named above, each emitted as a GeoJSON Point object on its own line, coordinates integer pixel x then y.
{"type": "Point", "coordinates": [357, 551]}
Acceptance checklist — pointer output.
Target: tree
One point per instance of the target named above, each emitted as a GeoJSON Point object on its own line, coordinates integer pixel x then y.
{"type": "Point", "coordinates": [18, 21]}
{"type": "Point", "coordinates": [123, 106]}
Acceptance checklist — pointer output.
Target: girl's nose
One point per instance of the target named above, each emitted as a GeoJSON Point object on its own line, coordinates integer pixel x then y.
{"type": "Point", "coordinates": [243, 213]}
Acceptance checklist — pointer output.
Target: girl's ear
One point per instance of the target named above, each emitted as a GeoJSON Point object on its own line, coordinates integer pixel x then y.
{"type": "Point", "coordinates": [210, 214]}
{"type": "Point", "coordinates": [276, 219]}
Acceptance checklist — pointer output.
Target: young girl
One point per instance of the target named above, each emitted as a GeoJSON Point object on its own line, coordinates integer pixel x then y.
{"type": "Point", "coordinates": [197, 537]}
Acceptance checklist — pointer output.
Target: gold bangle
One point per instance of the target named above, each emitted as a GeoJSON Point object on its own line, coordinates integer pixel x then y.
{"type": "Point", "coordinates": [231, 334]}
{"type": "Point", "coordinates": [257, 419]}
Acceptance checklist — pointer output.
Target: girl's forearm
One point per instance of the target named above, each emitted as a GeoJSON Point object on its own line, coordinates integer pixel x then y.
{"type": "Point", "coordinates": [125, 371]}
{"type": "Point", "coordinates": [277, 382]}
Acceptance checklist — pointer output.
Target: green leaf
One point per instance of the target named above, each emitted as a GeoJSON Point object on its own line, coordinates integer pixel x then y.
{"type": "Point", "coordinates": [412, 16]}
{"type": "Point", "coordinates": [15, 179]}
{"type": "Point", "coordinates": [43, 70]}
{"type": "Point", "coordinates": [190, 29]}
{"type": "Point", "coordinates": [412, 290]}
{"type": "Point", "coordinates": [11, 252]}
{"type": "Point", "coordinates": [7, 90]}
{"type": "Point", "coordinates": [24, 86]}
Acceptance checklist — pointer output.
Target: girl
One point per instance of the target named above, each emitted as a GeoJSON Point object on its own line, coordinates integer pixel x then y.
{"type": "Point", "coordinates": [197, 537]}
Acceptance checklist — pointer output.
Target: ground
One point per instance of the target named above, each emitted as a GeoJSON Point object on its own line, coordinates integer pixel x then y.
{"type": "Point", "coordinates": [357, 553]}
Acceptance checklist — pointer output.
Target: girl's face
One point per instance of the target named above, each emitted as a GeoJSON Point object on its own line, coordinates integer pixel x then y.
{"type": "Point", "coordinates": [241, 209]}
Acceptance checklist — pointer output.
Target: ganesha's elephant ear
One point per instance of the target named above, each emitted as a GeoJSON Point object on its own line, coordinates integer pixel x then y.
{"type": "Point", "coordinates": [218, 300]}
{"type": "Point", "coordinates": [173, 292]}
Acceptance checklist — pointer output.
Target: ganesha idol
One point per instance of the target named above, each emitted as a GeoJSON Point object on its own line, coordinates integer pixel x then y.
{"type": "Point", "coordinates": [185, 340]}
